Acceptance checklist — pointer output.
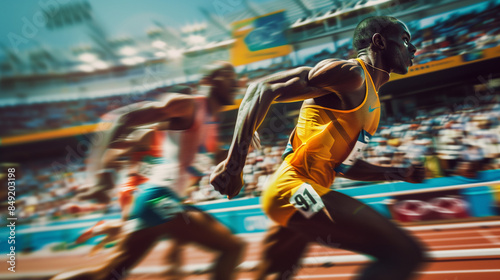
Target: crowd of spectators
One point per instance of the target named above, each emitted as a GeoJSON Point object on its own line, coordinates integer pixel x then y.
{"type": "Point", "coordinates": [447, 143]}
{"type": "Point", "coordinates": [461, 34]}
{"type": "Point", "coordinates": [45, 188]}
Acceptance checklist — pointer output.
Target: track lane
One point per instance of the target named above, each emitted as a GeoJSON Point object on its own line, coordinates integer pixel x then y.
{"type": "Point", "coordinates": [461, 238]}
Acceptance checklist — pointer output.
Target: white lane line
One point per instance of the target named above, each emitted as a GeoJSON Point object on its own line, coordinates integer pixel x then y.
{"type": "Point", "coordinates": [453, 239]}
{"type": "Point", "coordinates": [464, 253]}
{"type": "Point", "coordinates": [492, 238]}
{"type": "Point", "coordinates": [454, 226]}
{"type": "Point", "coordinates": [461, 271]}
{"type": "Point", "coordinates": [328, 276]}
{"type": "Point", "coordinates": [448, 233]}
{"type": "Point", "coordinates": [460, 246]}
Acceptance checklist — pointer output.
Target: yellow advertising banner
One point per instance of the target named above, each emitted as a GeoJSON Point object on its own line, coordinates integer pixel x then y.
{"type": "Point", "coordinates": [54, 134]}
{"type": "Point", "coordinates": [259, 38]}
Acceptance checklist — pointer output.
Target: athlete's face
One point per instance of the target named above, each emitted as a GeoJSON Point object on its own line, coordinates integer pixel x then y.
{"type": "Point", "coordinates": [224, 85]}
{"type": "Point", "coordinates": [400, 51]}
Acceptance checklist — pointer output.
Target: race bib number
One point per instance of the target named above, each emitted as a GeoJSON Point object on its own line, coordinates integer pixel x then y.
{"type": "Point", "coordinates": [307, 201]}
{"type": "Point", "coordinates": [363, 139]}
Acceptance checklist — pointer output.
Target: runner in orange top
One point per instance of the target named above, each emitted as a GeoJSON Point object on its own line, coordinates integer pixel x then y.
{"type": "Point", "coordinates": [340, 113]}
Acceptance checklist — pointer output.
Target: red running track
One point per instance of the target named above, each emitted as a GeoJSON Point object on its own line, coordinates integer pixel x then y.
{"type": "Point", "coordinates": [469, 251]}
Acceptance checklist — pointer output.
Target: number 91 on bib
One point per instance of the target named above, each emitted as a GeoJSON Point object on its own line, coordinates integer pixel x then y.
{"type": "Point", "coordinates": [307, 200]}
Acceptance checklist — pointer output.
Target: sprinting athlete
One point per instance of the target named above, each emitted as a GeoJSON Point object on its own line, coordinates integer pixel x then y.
{"type": "Point", "coordinates": [157, 208]}
{"type": "Point", "coordinates": [340, 113]}
{"type": "Point", "coordinates": [139, 147]}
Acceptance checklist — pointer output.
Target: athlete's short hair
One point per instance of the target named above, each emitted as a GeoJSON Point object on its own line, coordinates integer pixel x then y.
{"type": "Point", "coordinates": [369, 26]}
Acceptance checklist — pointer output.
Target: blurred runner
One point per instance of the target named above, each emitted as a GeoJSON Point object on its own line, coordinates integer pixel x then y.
{"type": "Point", "coordinates": [128, 152]}
{"type": "Point", "coordinates": [187, 123]}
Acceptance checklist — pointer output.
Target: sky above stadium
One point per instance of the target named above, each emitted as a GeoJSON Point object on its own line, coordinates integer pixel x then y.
{"type": "Point", "coordinates": [117, 17]}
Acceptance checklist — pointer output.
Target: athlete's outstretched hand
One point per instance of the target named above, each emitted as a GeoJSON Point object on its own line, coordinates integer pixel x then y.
{"type": "Point", "coordinates": [415, 174]}
{"type": "Point", "coordinates": [227, 178]}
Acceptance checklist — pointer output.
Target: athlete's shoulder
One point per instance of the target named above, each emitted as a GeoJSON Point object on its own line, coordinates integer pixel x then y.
{"type": "Point", "coordinates": [337, 74]}
{"type": "Point", "coordinates": [177, 101]}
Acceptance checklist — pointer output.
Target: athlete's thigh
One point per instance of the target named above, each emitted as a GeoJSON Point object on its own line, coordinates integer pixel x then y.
{"type": "Point", "coordinates": [354, 214]}
{"type": "Point", "coordinates": [349, 224]}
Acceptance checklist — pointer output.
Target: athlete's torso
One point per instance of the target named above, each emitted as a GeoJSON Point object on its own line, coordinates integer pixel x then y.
{"type": "Point", "coordinates": [324, 137]}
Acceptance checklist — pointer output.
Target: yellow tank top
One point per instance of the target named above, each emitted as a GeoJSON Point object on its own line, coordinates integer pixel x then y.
{"type": "Point", "coordinates": [324, 137]}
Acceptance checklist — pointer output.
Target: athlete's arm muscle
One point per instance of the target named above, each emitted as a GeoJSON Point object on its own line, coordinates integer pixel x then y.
{"type": "Point", "coordinates": [328, 77]}
{"type": "Point", "coordinates": [174, 106]}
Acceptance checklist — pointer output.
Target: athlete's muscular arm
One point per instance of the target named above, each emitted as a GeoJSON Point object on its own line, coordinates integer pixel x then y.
{"type": "Point", "coordinates": [364, 171]}
{"type": "Point", "coordinates": [328, 77]}
{"type": "Point", "coordinates": [175, 107]}
{"type": "Point", "coordinates": [227, 177]}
